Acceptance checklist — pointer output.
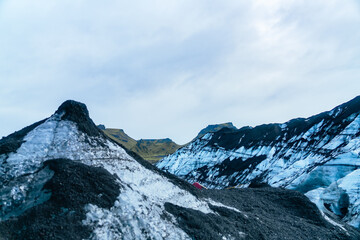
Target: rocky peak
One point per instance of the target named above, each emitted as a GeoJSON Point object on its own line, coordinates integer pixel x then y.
{"type": "Point", "coordinates": [77, 112]}
{"type": "Point", "coordinates": [101, 126]}
{"type": "Point", "coordinates": [216, 127]}
{"type": "Point", "coordinates": [73, 111]}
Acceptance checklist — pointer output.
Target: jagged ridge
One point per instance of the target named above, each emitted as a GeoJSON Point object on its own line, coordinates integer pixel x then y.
{"type": "Point", "coordinates": [302, 154]}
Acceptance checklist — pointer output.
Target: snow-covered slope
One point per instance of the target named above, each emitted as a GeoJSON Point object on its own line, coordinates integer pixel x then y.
{"type": "Point", "coordinates": [319, 156]}
{"type": "Point", "coordinates": [61, 178]}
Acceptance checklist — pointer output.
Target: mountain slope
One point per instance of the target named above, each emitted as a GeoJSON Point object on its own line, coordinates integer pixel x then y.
{"type": "Point", "coordinates": [154, 150]}
{"type": "Point", "coordinates": [118, 135]}
{"type": "Point", "coordinates": [62, 178]}
{"type": "Point", "coordinates": [318, 156]}
{"type": "Point", "coordinates": [151, 150]}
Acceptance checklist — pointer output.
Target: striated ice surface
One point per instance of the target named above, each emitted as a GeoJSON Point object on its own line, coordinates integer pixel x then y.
{"type": "Point", "coordinates": [312, 162]}
{"type": "Point", "coordinates": [140, 206]}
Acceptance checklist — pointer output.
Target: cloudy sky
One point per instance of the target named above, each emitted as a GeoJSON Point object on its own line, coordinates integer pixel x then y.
{"type": "Point", "coordinates": [166, 68]}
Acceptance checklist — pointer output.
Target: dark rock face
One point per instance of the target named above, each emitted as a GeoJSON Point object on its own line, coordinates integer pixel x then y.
{"type": "Point", "coordinates": [73, 111]}
{"type": "Point", "coordinates": [72, 186]}
{"type": "Point", "coordinates": [78, 113]}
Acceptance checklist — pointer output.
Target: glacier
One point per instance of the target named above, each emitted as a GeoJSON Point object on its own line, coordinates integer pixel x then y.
{"type": "Point", "coordinates": [319, 156]}
{"type": "Point", "coordinates": [63, 178]}
{"type": "Point", "coordinates": [56, 138]}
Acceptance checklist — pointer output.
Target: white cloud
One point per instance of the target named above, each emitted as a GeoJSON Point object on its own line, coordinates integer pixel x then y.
{"type": "Point", "coordinates": [168, 68]}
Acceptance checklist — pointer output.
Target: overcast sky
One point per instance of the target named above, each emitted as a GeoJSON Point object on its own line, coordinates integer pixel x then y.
{"type": "Point", "coordinates": [166, 68]}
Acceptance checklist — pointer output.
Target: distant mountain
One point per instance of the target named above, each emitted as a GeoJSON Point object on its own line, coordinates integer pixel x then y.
{"type": "Point", "coordinates": [151, 150]}
{"type": "Point", "coordinates": [62, 178]}
{"type": "Point", "coordinates": [119, 136]}
{"type": "Point", "coordinates": [215, 127]}
{"type": "Point", "coordinates": [154, 150]}
{"type": "Point", "coordinates": [319, 156]}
